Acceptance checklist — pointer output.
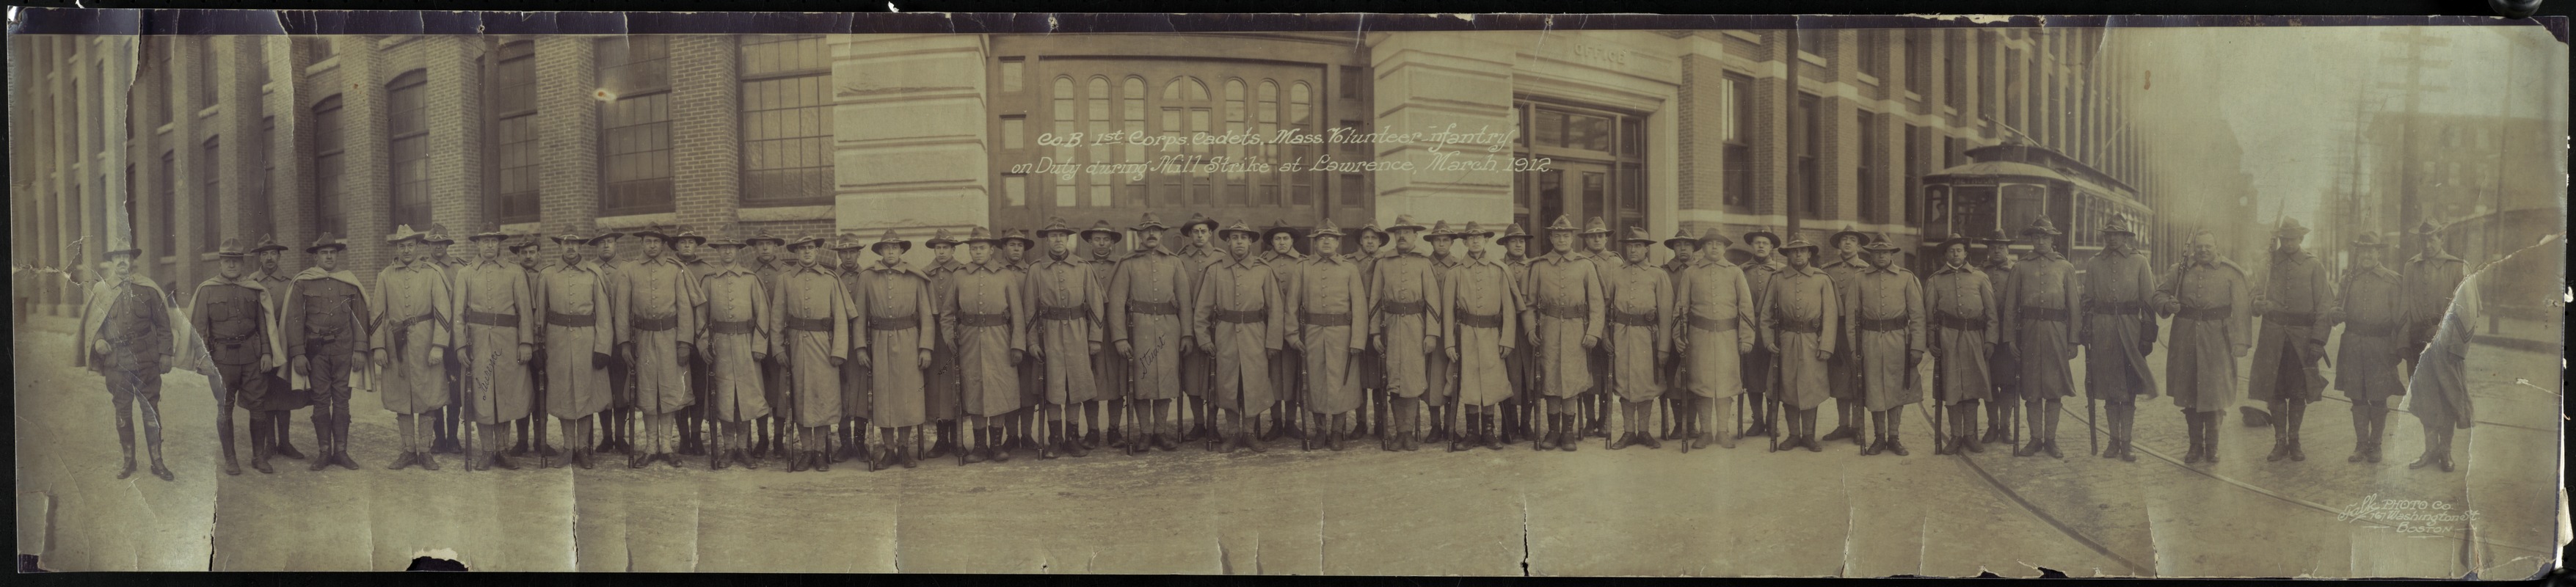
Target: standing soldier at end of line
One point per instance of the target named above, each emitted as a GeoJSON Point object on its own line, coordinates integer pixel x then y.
{"type": "Point", "coordinates": [1638, 299]}
{"type": "Point", "coordinates": [2207, 296]}
{"type": "Point", "coordinates": [326, 325]}
{"type": "Point", "coordinates": [1402, 330]}
{"type": "Point", "coordinates": [1520, 410]}
{"type": "Point", "coordinates": [893, 329]}
{"type": "Point", "coordinates": [988, 325]}
{"type": "Point", "coordinates": [524, 254]}
{"type": "Point", "coordinates": [856, 383]}
{"type": "Point", "coordinates": [2003, 365]}
{"type": "Point", "coordinates": [812, 320]}
{"type": "Point", "coordinates": [1799, 318]}
{"type": "Point", "coordinates": [2373, 312]}
{"type": "Point", "coordinates": [232, 313]}
{"type": "Point", "coordinates": [2037, 304]}
{"type": "Point", "coordinates": [1371, 364]}
{"type": "Point", "coordinates": [1332, 310]}
{"type": "Point", "coordinates": [1146, 324]}
{"type": "Point", "coordinates": [686, 248]}
{"type": "Point", "coordinates": [2440, 383]}
{"type": "Point", "coordinates": [939, 402]}
{"type": "Point", "coordinates": [1481, 305]}
{"type": "Point", "coordinates": [1761, 365]}
{"type": "Point", "coordinates": [579, 334]}
{"type": "Point", "coordinates": [1844, 267]}
{"type": "Point", "coordinates": [126, 337]}
{"type": "Point", "coordinates": [775, 431]}
{"type": "Point", "coordinates": [1108, 370]}
{"type": "Point", "coordinates": [497, 337]}
{"type": "Point", "coordinates": [411, 345]}
{"type": "Point", "coordinates": [1714, 305]}
{"type": "Point", "coordinates": [1063, 302]}
{"type": "Point", "coordinates": [1564, 323]}
{"type": "Point", "coordinates": [1198, 368]}
{"type": "Point", "coordinates": [1961, 303]}
{"type": "Point", "coordinates": [1286, 267]}
{"type": "Point", "coordinates": [2294, 293]}
{"type": "Point", "coordinates": [282, 399]}
{"type": "Point", "coordinates": [1241, 318]}
{"type": "Point", "coordinates": [2430, 277]}
{"type": "Point", "coordinates": [2118, 332]}
{"type": "Point", "coordinates": [734, 342]}
{"type": "Point", "coordinates": [1887, 337]}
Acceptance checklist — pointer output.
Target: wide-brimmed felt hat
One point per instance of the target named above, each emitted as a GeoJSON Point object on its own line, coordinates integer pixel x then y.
{"type": "Point", "coordinates": [1714, 236]}
{"type": "Point", "coordinates": [2040, 227]}
{"type": "Point", "coordinates": [1512, 231]}
{"type": "Point", "coordinates": [1441, 229]}
{"type": "Point", "coordinates": [891, 239]}
{"type": "Point", "coordinates": [2118, 224]}
{"type": "Point", "coordinates": [724, 240]}
{"type": "Point", "coordinates": [1762, 233]}
{"type": "Point", "coordinates": [1836, 240]}
{"type": "Point", "coordinates": [653, 231]}
{"type": "Point", "coordinates": [1018, 235]}
{"type": "Point", "coordinates": [2427, 227]}
{"type": "Point", "coordinates": [1197, 219]}
{"type": "Point", "coordinates": [1999, 239]}
{"type": "Point", "coordinates": [1474, 229]}
{"type": "Point", "coordinates": [490, 231]}
{"type": "Point", "coordinates": [1282, 226]}
{"type": "Point", "coordinates": [437, 235]}
{"type": "Point", "coordinates": [1056, 225]}
{"type": "Point", "coordinates": [1944, 247]}
{"type": "Point", "coordinates": [267, 242]}
{"type": "Point", "coordinates": [980, 235]}
{"type": "Point", "coordinates": [1596, 226]}
{"type": "Point", "coordinates": [1369, 229]}
{"type": "Point", "coordinates": [327, 241]}
{"type": "Point", "coordinates": [2368, 239]}
{"type": "Point", "coordinates": [1681, 236]}
{"type": "Point", "coordinates": [847, 241]}
{"type": "Point", "coordinates": [1150, 222]}
{"type": "Point", "coordinates": [1238, 226]}
{"type": "Point", "coordinates": [942, 238]}
{"type": "Point", "coordinates": [1882, 243]}
{"type": "Point", "coordinates": [763, 236]}
{"type": "Point", "coordinates": [120, 246]}
{"type": "Point", "coordinates": [231, 248]}
{"type": "Point", "coordinates": [521, 244]}
{"type": "Point", "coordinates": [688, 235]}
{"type": "Point", "coordinates": [1103, 227]}
{"type": "Point", "coordinates": [611, 236]}
{"type": "Point", "coordinates": [1404, 222]}
{"type": "Point", "coordinates": [809, 240]}
{"type": "Point", "coordinates": [1563, 223]}
{"type": "Point", "coordinates": [1795, 244]}
{"type": "Point", "coordinates": [402, 232]}
{"type": "Point", "coordinates": [2290, 229]}
{"type": "Point", "coordinates": [1323, 231]}
{"type": "Point", "coordinates": [1637, 234]}
{"type": "Point", "coordinates": [569, 238]}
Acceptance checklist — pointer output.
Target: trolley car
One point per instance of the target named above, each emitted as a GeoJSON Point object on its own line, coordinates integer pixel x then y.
{"type": "Point", "coordinates": [2005, 187]}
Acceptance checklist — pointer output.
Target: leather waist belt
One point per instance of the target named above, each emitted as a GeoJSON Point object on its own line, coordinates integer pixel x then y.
{"type": "Point", "coordinates": [1241, 316]}
{"type": "Point", "coordinates": [983, 319]}
{"type": "Point", "coordinates": [1636, 319]}
{"type": "Point", "coordinates": [895, 323]}
{"type": "Point", "coordinates": [570, 320]}
{"type": "Point", "coordinates": [1314, 319]}
{"type": "Point", "coordinates": [2293, 319]}
{"type": "Point", "coordinates": [2371, 330]}
{"type": "Point", "coordinates": [2205, 314]}
{"type": "Point", "coordinates": [1568, 311]}
{"type": "Point", "coordinates": [236, 339]}
{"type": "Point", "coordinates": [492, 319]}
{"type": "Point", "coordinates": [809, 324]}
{"type": "Point", "coordinates": [2115, 307]}
{"type": "Point", "coordinates": [1404, 308]}
{"type": "Point", "coordinates": [2048, 314]}
{"type": "Point", "coordinates": [1958, 322]}
{"type": "Point", "coordinates": [1712, 324]}
{"type": "Point", "coordinates": [1802, 326]}
{"type": "Point", "coordinates": [1882, 324]}
{"type": "Point", "coordinates": [654, 324]}
{"type": "Point", "coordinates": [1475, 320]}
{"type": "Point", "coordinates": [404, 324]}
{"type": "Point", "coordinates": [729, 327]}
{"type": "Point", "coordinates": [1063, 313]}
{"type": "Point", "coordinates": [1158, 308]}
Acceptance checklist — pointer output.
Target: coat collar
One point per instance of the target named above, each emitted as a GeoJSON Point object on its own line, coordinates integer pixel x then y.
{"type": "Point", "coordinates": [1947, 269]}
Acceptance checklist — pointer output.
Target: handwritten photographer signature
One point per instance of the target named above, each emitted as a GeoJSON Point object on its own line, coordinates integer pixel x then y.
{"type": "Point", "coordinates": [2412, 516]}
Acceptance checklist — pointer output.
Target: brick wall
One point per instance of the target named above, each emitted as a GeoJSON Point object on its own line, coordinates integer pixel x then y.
{"type": "Point", "coordinates": [568, 135]}
{"type": "Point", "coordinates": [291, 205]}
{"type": "Point", "coordinates": [455, 111]}
{"type": "Point", "coordinates": [367, 185]}
{"type": "Point", "coordinates": [706, 132]}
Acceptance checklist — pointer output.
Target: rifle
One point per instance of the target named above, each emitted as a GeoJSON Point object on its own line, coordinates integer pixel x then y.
{"type": "Point", "coordinates": [1940, 433]}
{"type": "Point", "coordinates": [1609, 391]}
{"type": "Point", "coordinates": [1771, 417]}
{"type": "Point", "coordinates": [2092, 426]}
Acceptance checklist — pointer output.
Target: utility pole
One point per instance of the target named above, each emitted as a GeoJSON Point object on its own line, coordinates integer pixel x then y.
{"type": "Point", "coordinates": [2410, 207]}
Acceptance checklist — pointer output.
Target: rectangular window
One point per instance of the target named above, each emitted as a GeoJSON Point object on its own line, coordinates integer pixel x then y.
{"type": "Point", "coordinates": [1354, 81]}
{"type": "Point", "coordinates": [1873, 54]}
{"type": "Point", "coordinates": [1355, 147]}
{"type": "Point", "coordinates": [1014, 70]}
{"type": "Point", "coordinates": [1954, 66]}
{"type": "Point", "coordinates": [328, 215]}
{"type": "Point", "coordinates": [158, 48]}
{"type": "Point", "coordinates": [1015, 129]}
{"type": "Point", "coordinates": [1913, 175]}
{"type": "Point", "coordinates": [407, 111]}
{"type": "Point", "coordinates": [205, 69]}
{"type": "Point", "coordinates": [1354, 190]}
{"type": "Point", "coordinates": [165, 221]}
{"type": "Point", "coordinates": [1737, 135]}
{"type": "Point", "coordinates": [256, 191]}
{"type": "Point", "coordinates": [514, 133]}
{"type": "Point", "coordinates": [786, 121]}
{"type": "Point", "coordinates": [210, 200]}
{"type": "Point", "coordinates": [1818, 42]}
{"type": "Point", "coordinates": [1015, 190]}
{"type": "Point", "coordinates": [1873, 162]}
{"type": "Point", "coordinates": [635, 129]}
{"type": "Point", "coordinates": [1808, 122]}
{"type": "Point", "coordinates": [1986, 76]}
{"type": "Point", "coordinates": [1918, 59]}
{"type": "Point", "coordinates": [319, 46]}
{"type": "Point", "coordinates": [2014, 70]}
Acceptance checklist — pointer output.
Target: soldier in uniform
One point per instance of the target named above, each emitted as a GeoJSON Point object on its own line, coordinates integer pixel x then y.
{"type": "Point", "coordinates": [617, 428]}
{"type": "Point", "coordinates": [1960, 301]}
{"type": "Point", "coordinates": [451, 418]}
{"type": "Point", "coordinates": [685, 247]}
{"type": "Point", "coordinates": [1844, 372]}
{"type": "Point", "coordinates": [2373, 312]}
{"type": "Point", "coordinates": [774, 431]}
{"type": "Point", "coordinates": [1521, 408]}
{"type": "Point", "coordinates": [658, 335]}
{"type": "Point", "coordinates": [1108, 370]}
{"type": "Point", "coordinates": [1797, 317]}
{"type": "Point", "coordinates": [1684, 248]}
{"type": "Point", "coordinates": [733, 343]}
{"type": "Point", "coordinates": [1888, 341]}
{"type": "Point", "coordinates": [856, 382]}
{"type": "Point", "coordinates": [2440, 381]}
{"type": "Point", "coordinates": [1332, 310]}
{"type": "Point", "coordinates": [524, 253]}
{"type": "Point", "coordinates": [126, 338]}
{"type": "Point", "coordinates": [411, 344]}
{"type": "Point", "coordinates": [1761, 366]}
{"type": "Point", "coordinates": [2430, 276]}
{"type": "Point", "coordinates": [579, 332]}
{"type": "Point", "coordinates": [1241, 320]}
{"type": "Point", "coordinates": [1594, 407]}
{"type": "Point", "coordinates": [1480, 306]}
{"type": "Point", "coordinates": [497, 337]}
{"type": "Point", "coordinates": [2206, 295]}
{"type": "Point", "coordinates": [2294, 293]}
{"type": "Point", "coordinates": [1198, 369]}
{"type": "Point", "coordinates": [1147, 325]}
{"type": "Point", "coordinates": [939, 402]}
{"type": "Point", "coordinates": [893, 327]}
{"type": "Point", "coordinates": [325, 326]}
{"type": "Point", "coordinates": [231, 311]}
{"type": "Point", "coordinates": [812, 320]}
{"type": "Point", "coordinates": [1443, 395]}
{"type": "Point", "coordinates": [1638, 299]}
{"type": "Point", "coordinates": [2037, 304]}
{"type": "Point", "coordinates": [2118, 331]}
{"type": "Point", "coordinates": [1371, 363]}
{"type": "Point", "coordinates": [1286, 266]}
{"type": "Point", "coordinates": [988, 325]}
{"type": "Point", "coordinates": [281, 399]}
{"type": "Point", "coordinates": [1404, 329]}
{"type": "Point", "coordinates": [1564, 321]}
{"type": "Point", "coordinates": [1713, 305]}
{"type": "Point", "coordinates": [1062, 301]}
{"type": "Point", "coordinates": [2003, 365]}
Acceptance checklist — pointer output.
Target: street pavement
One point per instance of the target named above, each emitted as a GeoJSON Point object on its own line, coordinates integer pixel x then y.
{"type": "Point", "coordinates": [1718, 512]}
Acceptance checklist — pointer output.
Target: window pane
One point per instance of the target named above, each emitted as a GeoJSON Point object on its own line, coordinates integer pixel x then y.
{"type": "Point", "coordinates": [787, 123]}
{"type": "Point", "coordinates": [1551, 129]}
{"type": "Point", "coordinates": [1013, 130]}
{"type": "Point", "coordinates": [1354, 189]}
{"type": "Point", "coordinates": [1015, 190]}
{"type": "Point", "coordinates": [1012, 71]}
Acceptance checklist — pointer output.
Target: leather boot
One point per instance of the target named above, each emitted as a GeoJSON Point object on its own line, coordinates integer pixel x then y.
{"type": "Point", "coordinates": [1648, 439]}
{"type": "Point", "coordinates": [1896, 432]}
{"type": "Point", "coordinates": [1573, 435]}
{"type": "Point", "coordinates": [1877, 435]}
{"type": "Point", "coordinates": [260, 432]}
{"type": "Point", "coordinates": [2191, 425]}
{"type": "Point", "coordinates": [1003, 454]}
{"type": "Point", "coordinates": [1055, 436]}
{"type": "Point", "coordinates": [281, 441]}
{"type": "Point", "coordinates": [224, 429]}
{"type": "Point", "coordinates": [1074, 447]}
{"type": "Point", "coordinates": [2378, 431]}
{"type": "Point", "coordinates": [2446, 449]}
{"type": "Point", "coordinates": [1494, 435]}
{"type": "Point", "coordinates": [2209, 436]}
{"type": "Point", "coordinates": [2298, 418]}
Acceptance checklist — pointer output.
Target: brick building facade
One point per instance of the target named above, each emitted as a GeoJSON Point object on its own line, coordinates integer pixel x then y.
{"type": "Point", "coordinates": [794, 134]}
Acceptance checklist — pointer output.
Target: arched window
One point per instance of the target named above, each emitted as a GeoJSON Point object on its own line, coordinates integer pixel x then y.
{"type": "Point", "coordinates": [1301, 115]}
{"type": "Point", "coordinates": [1237, 189]}
{"type": "Point", "coordinates": [1269, 128]}
{"type": "Point", "coordinates": [1095, 100]}
{"type": "Point", "coordinates": [1066, 121]}
{"type": "Point", "coordinates": [407, 124]}
{"type": "Point", "coordinates": [1132, 101]}
{"type": "Point", "coordinates": [1185, 115]}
